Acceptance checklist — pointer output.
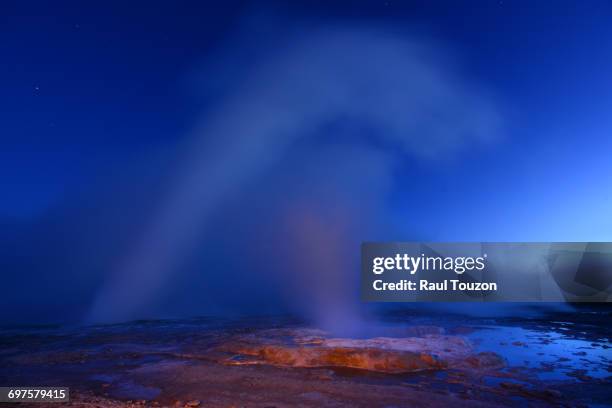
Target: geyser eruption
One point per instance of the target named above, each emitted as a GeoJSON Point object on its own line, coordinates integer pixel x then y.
{"type": "Point", "coordinates": [328, 115]}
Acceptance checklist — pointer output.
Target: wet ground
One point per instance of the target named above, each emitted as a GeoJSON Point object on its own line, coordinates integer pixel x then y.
{"type": "Point", "coordinates": [404, 359]}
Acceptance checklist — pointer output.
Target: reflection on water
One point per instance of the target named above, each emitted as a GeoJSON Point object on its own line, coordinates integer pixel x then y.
{"type": "Point", "coordinates": [552, 355]}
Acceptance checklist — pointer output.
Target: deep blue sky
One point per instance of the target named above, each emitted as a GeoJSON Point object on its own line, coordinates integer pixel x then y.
{"type": "Point", "coordinates": [86, 84]}
{"type": "Point", "coordinates": [90, 89]}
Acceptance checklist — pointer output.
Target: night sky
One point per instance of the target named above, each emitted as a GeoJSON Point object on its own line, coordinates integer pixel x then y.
{"type": "Point", "coordinates": [183, 158]}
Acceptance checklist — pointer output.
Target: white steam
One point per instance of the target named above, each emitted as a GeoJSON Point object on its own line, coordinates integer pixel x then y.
{"type": "Point", "coordinates": [412, 102]}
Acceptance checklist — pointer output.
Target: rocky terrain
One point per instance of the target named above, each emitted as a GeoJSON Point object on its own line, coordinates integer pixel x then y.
{"type": "Point", "coordinates": [406, 360]}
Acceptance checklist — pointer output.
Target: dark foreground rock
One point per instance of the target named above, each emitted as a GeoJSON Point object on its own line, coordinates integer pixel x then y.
{"type": "Point", "coordinates": [203, 363]}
